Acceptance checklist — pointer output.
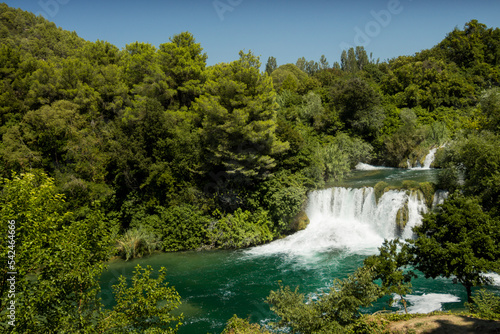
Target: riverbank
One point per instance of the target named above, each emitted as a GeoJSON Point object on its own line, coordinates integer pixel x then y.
{"type": "Point", "coordinates": [436, 322]}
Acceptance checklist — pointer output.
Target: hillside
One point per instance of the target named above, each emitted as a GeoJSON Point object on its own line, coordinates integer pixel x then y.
{"type": "Point", "coordinates": [149, 148]}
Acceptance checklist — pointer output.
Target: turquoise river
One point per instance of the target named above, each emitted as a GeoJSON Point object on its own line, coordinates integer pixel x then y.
{"type": "Point", "coordinates": [347, 224]}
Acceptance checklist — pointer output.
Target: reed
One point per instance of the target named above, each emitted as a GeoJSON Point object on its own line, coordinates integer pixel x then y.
{"type": "Point", "coordinates": [137, 242]}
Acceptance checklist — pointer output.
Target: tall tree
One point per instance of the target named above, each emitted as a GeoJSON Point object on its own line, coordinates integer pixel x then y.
{"type": "Point", "coordinates": [461, 241]}
{"type": "Point", "coordinates": [343, 61]}
{"type": "Point", "coordinates": [361, 57]}
{"type": "Point", "coordinates": [323, 63]}
{"type": "Point", "coordinates": [301, 63]}
{"type": "Point", "coordinates": [58, 257]}
{"type": "Point", "coordinates": [271, 65]}
{"type": "Point", "coordinates": [183, 62]}
{"type": "Point", "coordinates": [359, 105]}
{"type": "Point", "coordinates": [238, 119]}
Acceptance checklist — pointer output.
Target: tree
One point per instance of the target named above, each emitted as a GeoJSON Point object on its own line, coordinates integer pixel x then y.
{"type": "Point", "coordinates": [332, 311]}
{"type": "Point", "coordinates": [490, 106]}
{"type": "Point", "coordinates": [58, 257]}
{"type": "Point", "coordinates": [287, 76]}
{"type": "Point", "coordinates": [352, 62]}
{"type": "Point", "coordinates": [237, 325]}
{"type": "Point", "coordinates": [478, 158]}
{"type": "Point", "coordinates": [301, 63]}
{"type": "Point", "coordinates": [238, 119]}
{"type": "Point", "coordinates": [343, 61]}
{"type": "Point", "coordinates": [143, 307]}
{"type": "Point", "coordinates": [390, 267]}
{"type": "Point", "coordinates": [184, 63]}
{"type": "Point", "coordinates": [323, 63]}
{"type": "Point", "coordinates": [271, 65]}
{"type": "Point", "coordinates": [360, 106]}
{"type": "Point", "coordinates": [460, 240]}
{"type": "Point", "coordinates": [144, 74]}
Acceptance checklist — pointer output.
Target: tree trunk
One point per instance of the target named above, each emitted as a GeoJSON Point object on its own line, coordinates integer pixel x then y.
{"type": "Point", "coordinates": [468, 287]}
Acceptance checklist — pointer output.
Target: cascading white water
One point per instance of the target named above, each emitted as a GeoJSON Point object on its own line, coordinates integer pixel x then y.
{"type": "Point", "coordinates": [429, 158]}
{"type": "Point", "coordinates": [346, 218]}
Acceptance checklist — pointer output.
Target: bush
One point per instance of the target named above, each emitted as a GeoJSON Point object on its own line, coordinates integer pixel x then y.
{"type": "Point", "coordinates": [486, 305]}
{"type": "Point", "coordinates": [357, 150]}
{"type": "Point", "coordinates": [241, 229]}
{"type": "Point", "coordinates": [237, 325]}
{"type": "Point", "coordinates": [183, 227]}
{"type": "Point", "coordinates": [137, 242]}
{"type": "Point", "coordinates": [283, 196]}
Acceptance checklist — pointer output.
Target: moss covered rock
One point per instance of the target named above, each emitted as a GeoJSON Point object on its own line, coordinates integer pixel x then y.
{"type": "Point", "coordinates": [402, 218]}
{"type": "Point", "coordinates": [379, 189]}
{"type": "Point", "coordinates": [428, 189]}
{"type": "Point", "coordinates": [300, 222]}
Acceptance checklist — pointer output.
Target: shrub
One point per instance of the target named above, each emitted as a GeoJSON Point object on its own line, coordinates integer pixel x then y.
{"type": "Point", "coordinates": [137, 242]}
{"type": "Point", "coordinates": [283, 197]}
{"type": "Point", "coordinates": [241, 229]}
{"type": "Point", "coordinates": [486, 305]}
{"type": "Point", "coordinates": [183, 227]}
{"type": "Point", "coordinates": [237, 325]}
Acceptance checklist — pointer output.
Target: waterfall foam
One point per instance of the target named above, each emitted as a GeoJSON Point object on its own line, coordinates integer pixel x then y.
{"type": "Point", "coordinates": [429, 158]}
{"type": "Point", "coordinates": [429, 302]}
{"type": "Point", "coordinates": [363, 166]}
{"type": "Point", "coordinates": [350, 219]}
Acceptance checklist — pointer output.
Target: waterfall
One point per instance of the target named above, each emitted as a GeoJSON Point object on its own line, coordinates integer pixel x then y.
{"type": "Point", "coordinates": [351, 219]}
{"type": "Point", "coordinates": [429, 158]}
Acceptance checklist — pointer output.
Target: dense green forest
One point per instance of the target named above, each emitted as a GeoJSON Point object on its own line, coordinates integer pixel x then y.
{"type": "Point", "coordinates": [122, 152]}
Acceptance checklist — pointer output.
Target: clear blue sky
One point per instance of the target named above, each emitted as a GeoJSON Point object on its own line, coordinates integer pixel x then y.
{"type": "Point", "coordinates": [285, 29]}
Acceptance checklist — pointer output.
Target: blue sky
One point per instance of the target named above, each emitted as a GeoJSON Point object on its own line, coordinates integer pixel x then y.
{"type": "Point", "coordinates": [285, 29]}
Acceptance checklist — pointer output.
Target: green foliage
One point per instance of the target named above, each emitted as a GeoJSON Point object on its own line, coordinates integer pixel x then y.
{"type": "Point", "coordinates": [490, 106]}
{"type": "Point", "coordinates": [448, 179]}
{"type": "Point", "coordinates": [145, 306]}
{"type": "Point", "coordinates": [137, 242]}
{"type": "Point", "coordinates": [356, 149]}
{"type": "Point", "coordinates": [237, 325]}
{"type": "Point", "coordinates": [478, 158]}
{"type": "Point", "coordinates": [283, 196]}
{"type": "Point", "coordinates": [428, 189]}
{"type": "Point", "coordinates": [390, 266]}
{"type": "Point", "coordinates": [360, 106]}
{"type": "Point", "coordinates": [58, 256]}
{"type": "Point", "coordinates": [241, 229]}
{"type": "Point", "coordinates": [486, 305]}
{"type": "Point", "coordinates": [334, 162]}
{"type": "Point", "coordinates": [238, 120]}
{"type": "Point", "coordinates": [354, 60]}
{"type": "Point", "coordinates": [289, 77]}
{"type": "Point", "coordinates": [369, 325]}
{"type": "Point", "coordinates": [460, 240]}
{"type": "Point", "coordinates": [183, 227]}
{"type": "Point", "coordinates": [332, 311]}
{"type": "Point", "coordinates": [184, 64]}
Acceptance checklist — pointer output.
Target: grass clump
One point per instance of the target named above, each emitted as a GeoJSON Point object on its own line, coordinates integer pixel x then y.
{"type": "Point", "coordinates": [137, 242]}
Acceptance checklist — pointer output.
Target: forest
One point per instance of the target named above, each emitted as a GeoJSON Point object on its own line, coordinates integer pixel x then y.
{"type": "Point", "coordinates": [108, 152]}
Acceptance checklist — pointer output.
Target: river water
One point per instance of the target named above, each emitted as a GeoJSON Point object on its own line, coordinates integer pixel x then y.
{"type": "Point", "coordinates": [347, 224]}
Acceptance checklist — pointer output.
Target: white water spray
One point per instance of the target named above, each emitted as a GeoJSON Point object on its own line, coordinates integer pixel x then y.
{"type": "Point", "coordinates": [350, 219]}
{"type": "Point", "coordinates": [429, 158]}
